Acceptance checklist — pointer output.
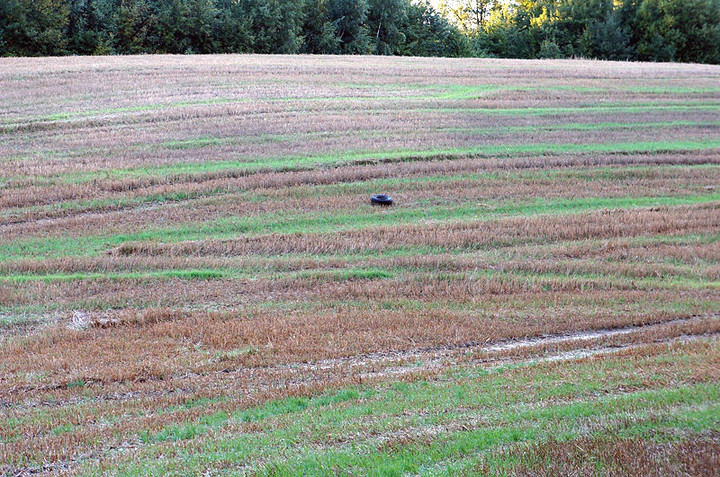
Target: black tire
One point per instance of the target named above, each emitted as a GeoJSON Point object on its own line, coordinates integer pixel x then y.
{"type": "Point", "coordinates": [381, 199]}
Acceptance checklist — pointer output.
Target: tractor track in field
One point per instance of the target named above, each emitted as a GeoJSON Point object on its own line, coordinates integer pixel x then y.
{"type": "Point", "coordinates": [397, 363]}
{"type": "Point", "coordinates": [497, 347]}
{"type": "Point", "coordinates": [434, 358]}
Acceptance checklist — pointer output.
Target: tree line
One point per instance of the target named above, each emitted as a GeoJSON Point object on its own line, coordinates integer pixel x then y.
{"type": "Point", "coordinates": [93, 27]}
{"type": "Point", "coordinates": [649, 30]}
{"type": "Point", "coordinates": [646, 30]}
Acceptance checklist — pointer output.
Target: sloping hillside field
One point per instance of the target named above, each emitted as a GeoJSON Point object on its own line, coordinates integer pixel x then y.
{"type": "Point", "coordinates": [192, 278]}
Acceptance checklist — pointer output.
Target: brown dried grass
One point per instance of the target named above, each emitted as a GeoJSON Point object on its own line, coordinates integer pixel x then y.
{"type": "Point", "coordinates": [501, 232]}
{"type": "Point", "coordinates": [139, 349]}
{"type": "Point", "coordinates": [616, 456]}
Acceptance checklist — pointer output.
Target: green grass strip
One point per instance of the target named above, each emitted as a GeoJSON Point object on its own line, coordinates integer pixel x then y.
{"type": "Point", "coordinates": [364, 186]}
{"type": "Point", "coordinates": [530, 405]}
{"type": "Point", "coordinates": [283, 223]}
{"type": "Point", "coordinates": [446, 93]}
{"type": "Point", "coordinates": [250, 165]}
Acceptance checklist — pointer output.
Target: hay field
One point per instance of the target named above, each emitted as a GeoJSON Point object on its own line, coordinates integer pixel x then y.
{"type": "Point", "coordinates": [192, 279]}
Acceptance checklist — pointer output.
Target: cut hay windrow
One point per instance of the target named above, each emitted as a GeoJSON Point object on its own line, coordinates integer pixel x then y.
{"type": "Point", "coordinates": [501, 232]}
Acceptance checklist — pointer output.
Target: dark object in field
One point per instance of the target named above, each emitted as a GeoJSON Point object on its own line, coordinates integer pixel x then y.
{"type": "Point", "coordinates": [381, 199]}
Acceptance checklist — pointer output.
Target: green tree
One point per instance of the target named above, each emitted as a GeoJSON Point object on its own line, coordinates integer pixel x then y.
{"type": "Point", "coordinates": [509, 33]}
{"type": "Point", "coordinates": [549, 49]}
{"type": "Point", "coordinates": [90, 25]}
{"type": "Point", "coordinates": [385, 21]}
{"type": "Point", "coordinates": [8, 15]}
{"type": "Point", "coordinates": [608, 40]}
{"type": "Point", "coordinates": [34, 27]}
{"type": "Point", "coordinates": [202, 24]}
{"type": "Point", "coordinates": [349, 18]}
{"type": "Point", "coordinates": [563, 23]}
{"type": "Point", "coordinates": [319, 32]}
{"type": "Point", "coordinates": [172, 25]}
{"type": "Point", "coordinates": [470, 15]}
{"type": "Point", "coordinates": [675, 30]}
{"type": "Point", "coordinates": [428, 33]}
{"type": "Point", "coordinates": [136, 28]}
{"type": "Point", "coordinates": [289, 36]}
{"type": "Point", "coordinates": [234, 32]}
{"type": "Point", "coordinates": [655, 30]}
{"type": "Point", "coordinates": [277, 25]}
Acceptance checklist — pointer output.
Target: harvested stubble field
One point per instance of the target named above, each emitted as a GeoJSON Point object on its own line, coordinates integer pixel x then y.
{"type": "Point", "coordinates": [192, 279]}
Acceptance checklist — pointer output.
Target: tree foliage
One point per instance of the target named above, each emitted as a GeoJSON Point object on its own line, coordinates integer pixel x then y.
{"type": "Point", "coordinates": [648, 30]}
